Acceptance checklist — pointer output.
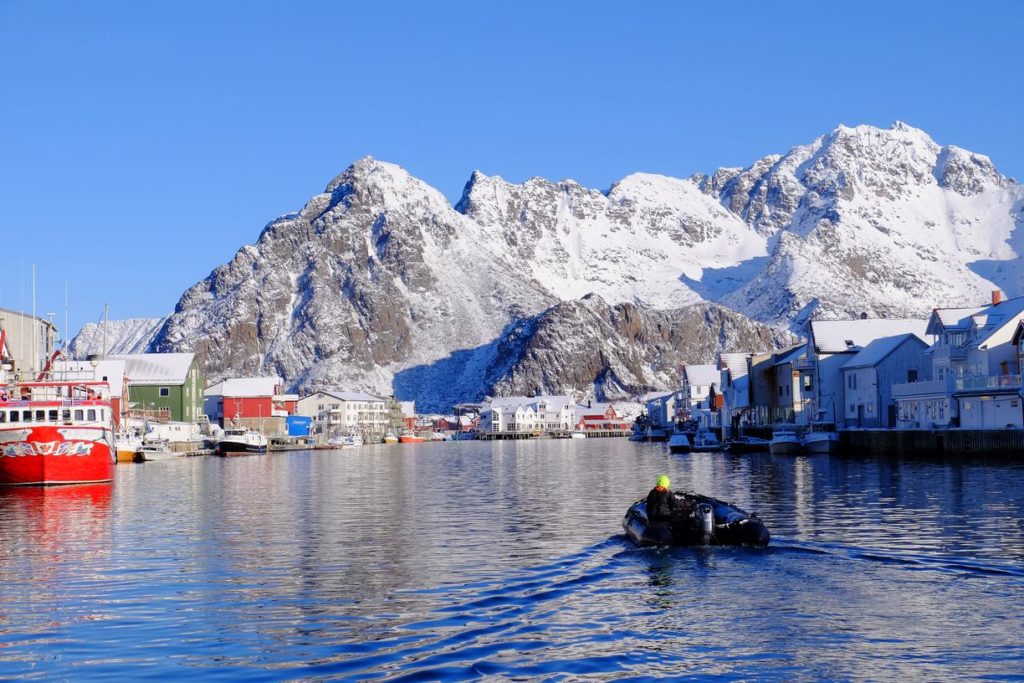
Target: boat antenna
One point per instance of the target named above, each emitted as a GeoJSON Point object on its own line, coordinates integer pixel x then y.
{"type": "Point", "coordinates": [106, 307]}
{"type": "Point", "coordinates": [66, 327]}
{"type": "Point", "coordinates": [35, 323]}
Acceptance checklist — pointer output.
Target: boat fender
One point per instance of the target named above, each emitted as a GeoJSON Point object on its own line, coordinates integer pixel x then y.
{"type": "Point", "coordinates": [706, 515]}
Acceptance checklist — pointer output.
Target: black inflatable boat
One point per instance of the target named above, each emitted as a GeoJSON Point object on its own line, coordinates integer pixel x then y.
{"type": "Point", "coordinates": [699, 520]}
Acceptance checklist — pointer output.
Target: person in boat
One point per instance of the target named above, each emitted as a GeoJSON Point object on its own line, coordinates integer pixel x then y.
{"type": "Point", "coordinates": [662, 504]}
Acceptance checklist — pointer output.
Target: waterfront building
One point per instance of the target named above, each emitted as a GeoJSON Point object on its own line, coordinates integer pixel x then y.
{"type": "Point", "coordinates": [869, 376]}
{"type": "Point", "coordinates": [251, 403]}
{"type": "Point", "coordinates": [779, 386]}
{"type": "Point", "coordinates": [700, 383]}
{"type": "Point", "coordinates": [601, 417]}
{"type": "Point", "coordinates": [734, 373]}
{"type": "Point", "coordinates": [168, 386]}
{"type": "Point", "coordinates": [976, 371]}
{"type": "Point", "coordinates": [663, 408]}
{"type": "Point", "coordinates": [346, 412]}
{"type": "Point", "coordinates": [830, 345]}
{"type": "Point", "coordinates": [530, 414]}
{"type": "Point", "coordinates": [26, 344]}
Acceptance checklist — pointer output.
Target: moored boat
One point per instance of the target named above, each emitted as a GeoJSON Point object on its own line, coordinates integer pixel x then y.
{"type": "Point", "coordinates": [705, 441]}
{"type": "Point", "coordinates": [678, 443]}
{"type": "Point", "coordinates": [390, 438]}
{"type": "Point", "coordinates": [56, 433]}
{"type": "Point", "coordinates": [346, 441]}
{"type": "Point", "coordinates": [577, 434]}
{"type": "Point", "coordinates": [785, 442]}
{"type": "Point", "coordinates": [409, 437]}
{"type": "Point", "coordinates": [241, 442]}
{"type": "Point", "coordinates": [127, 446]}
{"type": "Point", "coordinates": [156, 449]}
{"type": "Point", "coordinates": [702, 520]}
{"type": "Point", "coordinates": [820, 439]}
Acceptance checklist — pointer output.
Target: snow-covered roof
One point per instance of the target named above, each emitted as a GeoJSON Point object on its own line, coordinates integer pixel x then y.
{"type": "Point", "coordinates": [556, 402]}
{"type": "Point", "coordinates": [875, 352]}
{"type": "Point", "coordinates": [702, 375]}
{"type": "Point", "coordinates": [735, 363]}
{"type": "Point", "coordinates": [1003, 318]}
{"type": "Point", "coordinates": [150, 369]}
{"type": "Point", "coordinates": [950, 318]}
{"type": "Point", "coordinates": [845, 336]}
{"type": "Point", "coordinates": [250, 387]}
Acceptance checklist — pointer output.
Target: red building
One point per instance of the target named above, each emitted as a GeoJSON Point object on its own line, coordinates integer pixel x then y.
{"type": "Point", "coordinates": [248, 401]}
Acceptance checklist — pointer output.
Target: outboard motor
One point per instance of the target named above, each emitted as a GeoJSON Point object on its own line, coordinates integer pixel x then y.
{"type": "Point", "coordinates": [706, 515]}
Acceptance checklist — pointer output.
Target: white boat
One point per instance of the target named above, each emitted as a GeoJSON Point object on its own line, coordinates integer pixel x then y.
{"type": "Point", "coordinates": [577, 434]}
{"type": "Point", "coordinates": [785, 442]}
{"type": "Point", "coordinates": [439, 436]}
{"type": "Point", "coordinates": [241, 442]}
{"type": "Point", "coordinates": [346, 441]}
{"type": "Point", "coordinates": [156, 449]}
{"type": "Point", "coordinates": [705, 440]}
{"type": "Point", "coordinates": [820, 440]}
{"type": "Point", "coordinates": [678, 443]}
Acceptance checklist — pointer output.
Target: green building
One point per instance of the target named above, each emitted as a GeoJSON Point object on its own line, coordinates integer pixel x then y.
{"type": "Point", "coordinates": [168, 382]}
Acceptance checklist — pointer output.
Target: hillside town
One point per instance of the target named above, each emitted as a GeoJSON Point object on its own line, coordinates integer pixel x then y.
{"type": "Point", "coordinates": [958, 369]}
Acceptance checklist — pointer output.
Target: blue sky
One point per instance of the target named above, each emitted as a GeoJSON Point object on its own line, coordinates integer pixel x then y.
{"type": "Point", "coordinates": [144, 143]}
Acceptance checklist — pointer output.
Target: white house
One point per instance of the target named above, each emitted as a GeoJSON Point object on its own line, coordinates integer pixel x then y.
{"type": "Point", "coordinates": [976, 371]}
{"type": "Point", "coordinates": [663, 407]}
{"type": "Point", "coordinates": [698, 382]}
{"type": "Point", "coordinates": [528, 414]}
{"type": "Point", "coordinates": [869, 376]}
{"type": "Point", "coordinates": [831, 344]}
{"type": "Point", "coordinates": [345, 412]}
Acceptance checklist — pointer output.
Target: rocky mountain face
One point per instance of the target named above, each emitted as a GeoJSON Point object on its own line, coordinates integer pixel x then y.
{"type": "Point", "coordinates": [114, 337]}
{"type": "Point", "coordinates": [379, 284]}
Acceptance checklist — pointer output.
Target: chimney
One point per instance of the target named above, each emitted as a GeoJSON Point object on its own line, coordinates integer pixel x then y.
{"type": "Point", "coordinates": [997, 297]}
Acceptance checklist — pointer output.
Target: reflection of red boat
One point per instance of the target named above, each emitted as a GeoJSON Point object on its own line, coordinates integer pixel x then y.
{"type": "Point", "coordinates": [409, 437]}
{"type": "Point", "coordinates": [56, 433]}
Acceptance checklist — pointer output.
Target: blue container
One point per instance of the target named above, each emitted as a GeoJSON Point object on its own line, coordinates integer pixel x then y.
{"type": "Point", "coordinates": [298, 425]}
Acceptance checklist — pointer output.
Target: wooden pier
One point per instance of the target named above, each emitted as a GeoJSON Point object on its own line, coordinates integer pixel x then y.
{"type": "Point", "coordinates": [953, 443]}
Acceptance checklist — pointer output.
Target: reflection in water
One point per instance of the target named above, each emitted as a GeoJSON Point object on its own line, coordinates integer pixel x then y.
{"type": "Point", "coordinates": [459, 560]}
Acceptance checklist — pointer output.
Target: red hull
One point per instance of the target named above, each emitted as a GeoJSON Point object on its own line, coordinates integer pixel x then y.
{"type": "Point", "coordinates": [55, 455]}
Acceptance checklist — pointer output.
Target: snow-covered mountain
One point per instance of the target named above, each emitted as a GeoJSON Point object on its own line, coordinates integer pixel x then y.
{"type": "Point", "coordinates": [378, 283]}
{"type": "Point", "coordinates": [133, 335]}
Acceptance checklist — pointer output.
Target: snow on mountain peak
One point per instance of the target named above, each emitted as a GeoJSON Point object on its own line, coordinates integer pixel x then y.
{"type": "Point", "coordinates": [378, 283]}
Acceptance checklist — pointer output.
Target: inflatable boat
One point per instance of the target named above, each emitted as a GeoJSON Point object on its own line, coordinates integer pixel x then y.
{"type": "Point", "coordinates": [700, 520]}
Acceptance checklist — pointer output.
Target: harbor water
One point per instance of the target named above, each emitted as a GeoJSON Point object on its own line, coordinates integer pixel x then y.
{"type": "Point", "coordinates": [506, 560]}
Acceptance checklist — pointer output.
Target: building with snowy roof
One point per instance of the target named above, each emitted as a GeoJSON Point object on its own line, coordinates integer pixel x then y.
{"type": "Point", "coordinates": [830, 345]}
{"type": "Point", "coordinates": [869, 376]}
{"type": "Point", "coordinates": [528, 414]}
{"type": "Point", "coordinates": [164, 384]}
{"type": "Point", "coordinates": [336, 413]}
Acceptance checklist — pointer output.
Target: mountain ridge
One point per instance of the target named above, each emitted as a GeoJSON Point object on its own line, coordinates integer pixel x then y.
{"type": "Point", "coordinates": [379, 274]}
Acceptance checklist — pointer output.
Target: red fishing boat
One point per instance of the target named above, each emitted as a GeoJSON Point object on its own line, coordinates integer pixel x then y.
{"type": "Point", "coordinates": [57, 432]}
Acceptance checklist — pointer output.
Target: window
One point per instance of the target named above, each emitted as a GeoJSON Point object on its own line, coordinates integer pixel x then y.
{"type": "Point", "coordinates": [165, 392]}
{"type": "Point", "coordinates": [780, 391]}
{"type": "Point", "coordinates": [52, 417]}
{"type": "Point", "coordinates": [807, 383]}
{"type": "Point", "coordinates": [40, 416]}
{"type": "Point", "coordinates": [3, 416]}
{"type": "Point", "coordinates": [91, 414]}
{"type": "Point", "coordinates": [912, 375]}
{"type": "Point", "coordinates": [67, 415]}
{"type": "Point", "coordinates": [79, 414]}
{"type": "Point", "coordinates": [14, 416]}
